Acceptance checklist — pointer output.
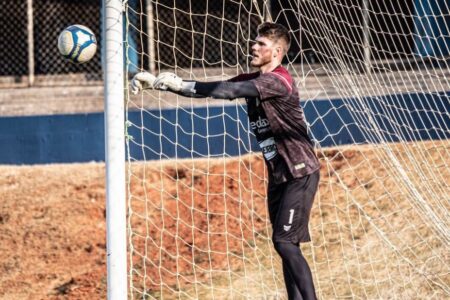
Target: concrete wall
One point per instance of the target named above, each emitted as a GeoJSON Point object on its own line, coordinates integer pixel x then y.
{"type": "Point", "coordinates": [219, 130]}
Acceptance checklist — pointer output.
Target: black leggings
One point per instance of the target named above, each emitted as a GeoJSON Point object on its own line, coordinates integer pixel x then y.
{"type": "Point", "coordinates": [297, 274]}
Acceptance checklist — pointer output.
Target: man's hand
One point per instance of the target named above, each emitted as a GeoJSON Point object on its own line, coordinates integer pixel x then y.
{"type": "Point", "coordinates": [169, 81]}
{"type": "Point", "coordinates": [142, 81]}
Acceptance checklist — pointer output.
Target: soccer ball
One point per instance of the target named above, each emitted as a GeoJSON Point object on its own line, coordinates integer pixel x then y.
{"type": "Point", "coordinates": [77, 43]}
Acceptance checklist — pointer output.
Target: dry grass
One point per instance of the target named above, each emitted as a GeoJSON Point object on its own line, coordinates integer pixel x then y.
{"type": "Point", "coordinates": [379, 228]}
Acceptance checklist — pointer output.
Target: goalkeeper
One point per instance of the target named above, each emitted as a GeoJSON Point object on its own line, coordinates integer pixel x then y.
{"type": "Point", "coordinates": [277, 120]}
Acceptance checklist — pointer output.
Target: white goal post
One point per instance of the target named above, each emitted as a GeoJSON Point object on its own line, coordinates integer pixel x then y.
{"type": "Point", "coordinates": [116, 246]}
{"type": "Point", "coordinates": [374, 84]}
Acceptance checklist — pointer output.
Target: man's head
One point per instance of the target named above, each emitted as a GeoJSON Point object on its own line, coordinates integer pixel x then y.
{"type": "Point", "coordinates": [272, 43]}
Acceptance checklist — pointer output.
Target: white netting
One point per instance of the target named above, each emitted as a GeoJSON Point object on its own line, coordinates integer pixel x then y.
{"type": "Point", "coordinates": [373, 79]}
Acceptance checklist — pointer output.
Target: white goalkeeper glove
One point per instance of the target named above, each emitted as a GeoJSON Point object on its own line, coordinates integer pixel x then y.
{"type": "Point", "coordinates": [142, 81]}
{"type": "Point", "coordinates": [168, 81]}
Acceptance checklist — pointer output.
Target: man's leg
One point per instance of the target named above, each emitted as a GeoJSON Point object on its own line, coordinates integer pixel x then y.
{"type": "Point", "coordinates": [292, 290]}
{"type": "Point", "coordinates": [298, 269]}
{"type": "Point", "coordinates": [290, 227]}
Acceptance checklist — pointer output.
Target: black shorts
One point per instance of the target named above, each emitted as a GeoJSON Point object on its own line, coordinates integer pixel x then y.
{"type": "Point", "coordinates": [290, 206]}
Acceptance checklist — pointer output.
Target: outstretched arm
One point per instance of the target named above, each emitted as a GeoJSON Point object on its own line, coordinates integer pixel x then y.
{"type": "Point", "coordinates": [173, 83]}
{"type": "Point", "coordinates": [226, 89]}
{"type": "Point", "coordinates": [216, 89]}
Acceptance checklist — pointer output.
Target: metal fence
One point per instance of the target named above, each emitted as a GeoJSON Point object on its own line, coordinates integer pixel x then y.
{"type": "Point", "coordinates": [187, 34]}
{"type": "Point", "coordinates": [202, 34]}
{"type": "Point", "coordinates": [191, 34]}
{"type": "Point", "coordinates": [28, 41]}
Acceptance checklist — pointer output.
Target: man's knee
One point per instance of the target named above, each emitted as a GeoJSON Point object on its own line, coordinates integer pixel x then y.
{"type": "Point", "coordinates": [286, 249]}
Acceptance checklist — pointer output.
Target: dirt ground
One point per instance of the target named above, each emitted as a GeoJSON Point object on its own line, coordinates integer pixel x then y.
{"type": "Point", "coordinates": [52, 232]}
{"type": "Point", "coordinates": [370, 238]}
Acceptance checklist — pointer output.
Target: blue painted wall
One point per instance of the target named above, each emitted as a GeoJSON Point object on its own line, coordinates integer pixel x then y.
{"type": "Point", "coordinates": [217, 130]}
{"type": "Point", "coordinates": [51, 139]}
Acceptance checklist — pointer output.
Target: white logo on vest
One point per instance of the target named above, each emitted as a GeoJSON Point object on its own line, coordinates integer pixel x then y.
{"type": "Point", "coordinates": [269, 148]}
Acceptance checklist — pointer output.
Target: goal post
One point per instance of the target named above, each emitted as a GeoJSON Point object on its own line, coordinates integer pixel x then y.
{"type": "Point", "coordinates": [116, 245]}
{"type": "Point", "coordinates": [373, 82]}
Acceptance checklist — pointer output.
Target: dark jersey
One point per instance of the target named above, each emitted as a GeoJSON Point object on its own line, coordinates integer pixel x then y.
{"type": "Point", "coordinates": [260, 125]}
{"type": "Point", "coordinates": [278, 123]}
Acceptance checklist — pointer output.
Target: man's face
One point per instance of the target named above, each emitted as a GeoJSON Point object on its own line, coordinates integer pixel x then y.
{"type": "Point", "coordinates": [262, 51]}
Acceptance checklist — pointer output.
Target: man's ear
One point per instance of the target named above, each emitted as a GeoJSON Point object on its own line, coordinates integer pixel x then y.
{"type": "Point", "coordinates": [278, 50]}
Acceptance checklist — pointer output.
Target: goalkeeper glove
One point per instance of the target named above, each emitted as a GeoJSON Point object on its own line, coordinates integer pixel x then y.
{"type": "Point", "coordinates": [142, 81]}
{"type": "Point", "coordinates": [169, 81]}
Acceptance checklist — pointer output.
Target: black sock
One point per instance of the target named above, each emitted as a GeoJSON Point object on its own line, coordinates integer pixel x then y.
{"type": "Point", "coordinates": [292, 290]}
{"type": "Point", "coordinates": [298, 271]}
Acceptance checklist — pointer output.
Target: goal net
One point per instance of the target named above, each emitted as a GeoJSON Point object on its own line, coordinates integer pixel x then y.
{"type": "Point", "coordinates": [374, 83]}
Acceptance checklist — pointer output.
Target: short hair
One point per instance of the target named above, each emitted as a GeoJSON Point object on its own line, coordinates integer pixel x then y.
{"type": "Point", "coordinates": [275, 32]}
